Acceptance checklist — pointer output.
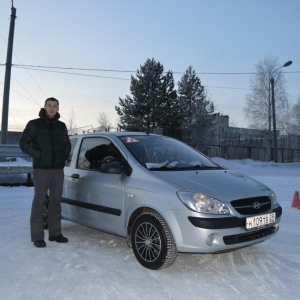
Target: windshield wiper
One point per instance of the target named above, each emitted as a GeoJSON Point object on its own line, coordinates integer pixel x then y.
{"type": "Point", "coordinates": [163, 168]}
{"type": "Point", "coordinates": [184, 168]}
{"type": "Point", "coordinates": [199, 167]}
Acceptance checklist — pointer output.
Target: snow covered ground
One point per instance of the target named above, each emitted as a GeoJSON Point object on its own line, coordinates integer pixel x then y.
{"type": "Point", "coordinates": [96, 265]}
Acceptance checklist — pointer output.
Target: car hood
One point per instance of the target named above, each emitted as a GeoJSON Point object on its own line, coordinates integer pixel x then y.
{"type": "Point", "coordinates": [224, 185]}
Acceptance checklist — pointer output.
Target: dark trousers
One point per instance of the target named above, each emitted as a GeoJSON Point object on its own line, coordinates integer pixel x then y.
{"type": "Point", "coordinates": [50, 181]}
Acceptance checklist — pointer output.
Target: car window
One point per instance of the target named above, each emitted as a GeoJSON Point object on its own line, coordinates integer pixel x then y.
{"type": "Point", "coordinates": [92, 152]}
{"type": "Point", "coordinates": [73, 144]}
{"type": "Point", "coordinates": [161, 153]}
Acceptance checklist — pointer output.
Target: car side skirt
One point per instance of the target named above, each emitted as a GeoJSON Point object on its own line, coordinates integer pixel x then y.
{"type": "Point", "coordinates": [91, 206]}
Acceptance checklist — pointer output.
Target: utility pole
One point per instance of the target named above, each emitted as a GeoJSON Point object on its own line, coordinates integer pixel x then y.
{"type": "Point", "coordinates": [274, 120]}
{"type": "Point", "coordinates": [7, 75]}
{"type": "Point", "coordinates": [288, 63]}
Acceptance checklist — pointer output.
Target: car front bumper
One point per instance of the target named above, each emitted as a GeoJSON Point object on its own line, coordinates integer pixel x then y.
{"type": "Point", "coordinates": [216, 234]}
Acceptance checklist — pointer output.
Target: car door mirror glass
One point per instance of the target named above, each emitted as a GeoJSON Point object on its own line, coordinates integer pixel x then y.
{"type": "Point", "coordinates": [108, 159]}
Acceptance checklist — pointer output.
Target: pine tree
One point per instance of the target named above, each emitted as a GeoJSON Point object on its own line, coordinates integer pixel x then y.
{"type": "Point", "coordinates": [194, 107]}
{"type": "Point", "coordinates": [153, 101]}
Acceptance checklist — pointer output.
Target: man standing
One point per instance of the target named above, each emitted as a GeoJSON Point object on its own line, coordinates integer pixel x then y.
{"type": "Point", "coordinates": [46, 140]}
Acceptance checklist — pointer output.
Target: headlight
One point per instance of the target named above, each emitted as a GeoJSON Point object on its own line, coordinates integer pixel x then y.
{"type": "Point", "coordinates": [273, 198]}
{"type": "Point", "coordinates": [202, 203]}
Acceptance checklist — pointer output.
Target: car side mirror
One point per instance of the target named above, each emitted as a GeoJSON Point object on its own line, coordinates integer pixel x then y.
{"type": "Point", "coordinates": [111, 166]}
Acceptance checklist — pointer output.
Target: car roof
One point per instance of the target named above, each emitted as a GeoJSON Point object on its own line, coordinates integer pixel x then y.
{"type": "Point", "coordinates": [114, 133]}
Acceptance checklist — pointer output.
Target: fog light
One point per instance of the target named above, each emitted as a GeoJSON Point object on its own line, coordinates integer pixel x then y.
{"type": "Point", "coordinates": [210, 239]}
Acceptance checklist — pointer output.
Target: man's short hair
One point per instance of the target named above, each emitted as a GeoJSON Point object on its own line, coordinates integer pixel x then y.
{"type": "Point", "coordinates": [51, 99]}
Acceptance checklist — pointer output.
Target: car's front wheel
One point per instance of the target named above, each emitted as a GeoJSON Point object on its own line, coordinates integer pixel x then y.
{"type": "Point", "coordinates": [152, 241]}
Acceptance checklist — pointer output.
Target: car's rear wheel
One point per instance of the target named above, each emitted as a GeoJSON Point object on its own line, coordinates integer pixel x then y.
{"type": "Point", "coordinates": [152, 241]}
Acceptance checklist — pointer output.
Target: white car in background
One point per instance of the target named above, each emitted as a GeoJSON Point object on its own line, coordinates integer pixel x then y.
{"type": "Point", "coordinates": [164, 197]}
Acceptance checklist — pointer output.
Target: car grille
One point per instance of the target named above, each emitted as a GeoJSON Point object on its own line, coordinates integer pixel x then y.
{"type": "Point", "coordinates": [249, 236]}
{"type": "Point", "coordinates": [252, 206]}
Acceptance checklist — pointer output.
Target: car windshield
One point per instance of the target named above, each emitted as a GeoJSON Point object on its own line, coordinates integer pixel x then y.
{"type": "Point", "coordinates": [160, 153]}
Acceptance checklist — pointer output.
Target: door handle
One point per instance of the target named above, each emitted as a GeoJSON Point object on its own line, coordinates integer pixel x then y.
{"type": "Point", "coordinates": [75, 176]}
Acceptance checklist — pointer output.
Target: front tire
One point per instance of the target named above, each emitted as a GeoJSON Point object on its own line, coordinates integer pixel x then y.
{"type": "Point", "coordinates": [152, 241]}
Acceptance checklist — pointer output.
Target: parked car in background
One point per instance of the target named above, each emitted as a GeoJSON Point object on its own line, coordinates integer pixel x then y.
{"type": "Point", "coordinates": [164, 197]}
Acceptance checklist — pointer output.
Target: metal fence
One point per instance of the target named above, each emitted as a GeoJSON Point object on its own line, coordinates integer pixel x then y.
{"type": "Point", "coordinates": [9, 152]}
{"type": "Point", "coordinates": [243, 146]}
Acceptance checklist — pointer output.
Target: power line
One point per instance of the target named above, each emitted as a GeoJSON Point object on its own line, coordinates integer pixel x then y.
{"type": "Point", "coordinates": [117, 78]}
{"type": "Point", "coordinates": [73, 68]}
{"type": "Point", "coordinates": [15, 55]}
{"type": "Point", "coordinates": [30, 99]}
{"type": "Point", "coordinates": [128, 71]}
{"type": "Point", "coordinates": [52, 70]}
{"type": "Point", "coordinates": [44, 69]}
{"type": "Point", "coordinates": [131, 71]}
{"type": "Point", "coordinates": [225, 87]}
{"type": "Point", "coordinates": [71, 73]}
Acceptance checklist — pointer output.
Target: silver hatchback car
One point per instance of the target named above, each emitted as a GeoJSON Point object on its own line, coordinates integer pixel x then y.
{"type": "Point", "coordinates": [164, 197]}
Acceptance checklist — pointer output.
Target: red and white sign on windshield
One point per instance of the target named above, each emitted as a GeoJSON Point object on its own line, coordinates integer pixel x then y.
{"type": "Point", "coordinates": [131, 140]}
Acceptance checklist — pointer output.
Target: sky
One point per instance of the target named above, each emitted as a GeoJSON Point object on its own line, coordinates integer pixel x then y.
{"type": "Point", "coordinates": [117, 37]}
{"type": "Point", "coordinates": [97, 265]}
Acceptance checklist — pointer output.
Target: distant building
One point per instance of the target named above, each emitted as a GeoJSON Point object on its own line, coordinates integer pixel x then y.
{"type": "Point", "coordinates": [220, 126]}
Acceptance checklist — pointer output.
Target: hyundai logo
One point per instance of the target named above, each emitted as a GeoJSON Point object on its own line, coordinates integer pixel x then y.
{"type": "Point", "coordinates": [256, 205]}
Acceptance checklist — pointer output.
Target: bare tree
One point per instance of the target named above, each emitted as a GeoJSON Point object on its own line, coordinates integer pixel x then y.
{"type": "Point", "coordinates": [71, 122]}
{"type": "Point", "coordinates": [258, 109]}
{"type": "Point", "coordinates": [104, 122]}
{"type": "Point", "coordinates": [295, 118]}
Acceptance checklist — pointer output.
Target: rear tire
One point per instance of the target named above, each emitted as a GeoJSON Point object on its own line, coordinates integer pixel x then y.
{"type": "Point", "coordinates": [152, 241]}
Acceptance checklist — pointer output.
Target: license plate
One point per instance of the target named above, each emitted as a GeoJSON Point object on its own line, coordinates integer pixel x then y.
{"type": "Point", "coordinates": [260, 221]}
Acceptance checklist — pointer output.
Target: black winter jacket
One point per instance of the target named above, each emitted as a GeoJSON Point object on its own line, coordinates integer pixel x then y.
{"type": "Point", "coordinates": [46, 141]}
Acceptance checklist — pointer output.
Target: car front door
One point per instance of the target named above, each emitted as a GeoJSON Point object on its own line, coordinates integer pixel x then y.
{"type": "Point", "coordinates": [95, 198]}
